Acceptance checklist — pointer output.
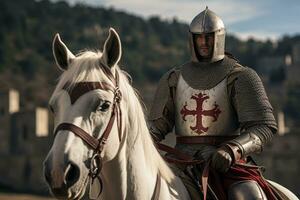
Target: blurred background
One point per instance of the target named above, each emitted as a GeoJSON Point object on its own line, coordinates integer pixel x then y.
{"type": "Point", "coordinates": [264, 35]}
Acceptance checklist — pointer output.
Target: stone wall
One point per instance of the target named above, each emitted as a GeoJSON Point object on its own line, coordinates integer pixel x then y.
{"type": "Point", "coordinates": [23, 144]}
{"type": "Point", "coordinates": [4, 137]}
{"type": "Point", "coordinates": [23, 173]}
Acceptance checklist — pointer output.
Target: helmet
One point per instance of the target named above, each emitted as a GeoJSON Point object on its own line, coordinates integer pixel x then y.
{"type": "Point", "coordinates": [207, 22]}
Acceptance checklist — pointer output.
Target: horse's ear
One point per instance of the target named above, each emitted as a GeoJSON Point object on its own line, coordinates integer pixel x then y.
{"type": "Point", "coordinates": [62, 55]}
{"type": "Point", "coordinates": [112, 49]}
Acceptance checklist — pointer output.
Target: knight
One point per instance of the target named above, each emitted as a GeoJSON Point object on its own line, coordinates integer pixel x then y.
{"type": "Point", "coordinates": [220, 113]}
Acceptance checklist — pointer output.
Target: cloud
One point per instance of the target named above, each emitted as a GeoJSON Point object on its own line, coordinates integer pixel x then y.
{"type": "Point", "coordinates": [244, 18]}
{"type": "Point", "coordinates": [258, 35]}
{"type": "Point", "coordinates": [232, 11]}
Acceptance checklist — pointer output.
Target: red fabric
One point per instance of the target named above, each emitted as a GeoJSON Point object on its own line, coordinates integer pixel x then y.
{"type": "Point", "coordinates": [221, 182]}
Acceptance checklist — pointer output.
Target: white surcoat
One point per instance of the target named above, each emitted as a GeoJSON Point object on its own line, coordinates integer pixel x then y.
{"type": "Point", "coordinates": [204, 112]}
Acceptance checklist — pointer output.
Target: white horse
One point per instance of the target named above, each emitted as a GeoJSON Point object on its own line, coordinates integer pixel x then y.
{"type": "Point", "coordinates": [131, 163]}
{"type": "Point", "coordinates": [132, 167]}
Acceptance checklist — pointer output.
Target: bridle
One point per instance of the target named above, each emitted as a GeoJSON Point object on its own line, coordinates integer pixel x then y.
{"type": "Point", "coordinates": [95, 144]}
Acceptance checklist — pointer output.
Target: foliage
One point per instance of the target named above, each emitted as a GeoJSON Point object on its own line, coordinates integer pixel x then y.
{"type": "Point", "coordinates": [150, 47]}
{"type": "Point", "coordinates": [278, 75]}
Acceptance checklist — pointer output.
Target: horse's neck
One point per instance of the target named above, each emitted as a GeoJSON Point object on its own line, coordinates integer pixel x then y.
{"type": "Point", "coordinates": [140, 173]}
{"type": "Point", "coordinates": [128, 176]}
{"type": "Point", "coordinates": [132, 176]}
{"type": "Point", "coordinates": [114, 179]}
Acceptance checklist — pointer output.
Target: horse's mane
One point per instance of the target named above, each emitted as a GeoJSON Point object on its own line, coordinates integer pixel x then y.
{"type": "Point", "coordinates": [85, 67]}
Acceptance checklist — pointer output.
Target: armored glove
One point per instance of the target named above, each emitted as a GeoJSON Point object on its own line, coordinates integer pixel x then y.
{"type": "Point", "coordinates": [221, 160]}
{"type": "Point", "coordinates": [224, 157]}
{"type": "Point", "coordinates": [250, 141]}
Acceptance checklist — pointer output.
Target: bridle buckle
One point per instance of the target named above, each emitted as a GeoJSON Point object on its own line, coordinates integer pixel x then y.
{"type": "Point", "coordinates": [95, 165]}
{"type": "Point", "coordinates": [118, 95]}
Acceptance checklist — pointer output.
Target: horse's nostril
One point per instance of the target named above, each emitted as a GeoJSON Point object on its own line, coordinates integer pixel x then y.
{"type": "Point", "coordinates": [72, 174]}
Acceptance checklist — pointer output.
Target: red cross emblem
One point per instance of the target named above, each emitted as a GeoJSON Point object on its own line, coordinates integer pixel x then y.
{"type": "Point", "coordinates": [200, 112]}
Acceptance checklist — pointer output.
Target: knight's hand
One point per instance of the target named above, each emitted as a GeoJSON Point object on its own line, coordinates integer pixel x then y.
{"type": "Point", "coordinates": [205, 153]}
{"type": "Point", "coordinates": [222, 160]}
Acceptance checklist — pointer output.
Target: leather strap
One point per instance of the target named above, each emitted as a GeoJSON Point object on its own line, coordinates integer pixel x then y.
{"type": "Point", "coordinates": [156, 192]}
{"type": "Point", "coordinates": [107, 131]}
{"type": "Point", "coordinates": [91, 141]}
{"type": "Point", "coordinates": [94, 143]}
{"type": "Point", "coordinates": [183, 158]}
{"type": "Point", "coordinates": [204, 178]}
{"type": "Point", "coordinates": [81, 88]}
{"type": "Point", "coordinates": [210, 140]}
{"type": "Point", "coordinates": [174, 151]}
{"type": "Point", "coordinates": [106, 70]}
{"type": "Point", "coordinates": [97, 144]}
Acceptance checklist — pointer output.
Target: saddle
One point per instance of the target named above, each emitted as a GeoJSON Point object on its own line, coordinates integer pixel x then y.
{"type": "Point", "coordinates": [196, 172]}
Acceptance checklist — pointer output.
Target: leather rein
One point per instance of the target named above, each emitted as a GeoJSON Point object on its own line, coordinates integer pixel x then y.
{"type": "Point", "coordinates": [98, 144]}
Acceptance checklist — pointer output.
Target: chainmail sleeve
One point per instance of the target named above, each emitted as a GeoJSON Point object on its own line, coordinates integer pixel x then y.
{"type": "Point", "coordinates": [250, 99]}
{"type": "Point", "coordinates": [253, 109]}
{"type": "Point", "coordinates": [161, 116]}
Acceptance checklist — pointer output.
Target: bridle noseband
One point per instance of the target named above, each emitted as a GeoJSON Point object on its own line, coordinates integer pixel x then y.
{"type": "Point", "coordinates": [96, 144]}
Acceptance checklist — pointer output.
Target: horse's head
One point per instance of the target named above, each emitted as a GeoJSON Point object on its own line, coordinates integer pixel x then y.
{"type": "Point", "coordinates": [86, 108]}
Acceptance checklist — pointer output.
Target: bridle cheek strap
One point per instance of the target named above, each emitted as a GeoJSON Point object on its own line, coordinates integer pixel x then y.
{"type": "Point", "coordinates": [91, 141]}
{"type": "Point", "coordinates": [98, 144]}
{"type": "Point", "coordinates": [95, 144]}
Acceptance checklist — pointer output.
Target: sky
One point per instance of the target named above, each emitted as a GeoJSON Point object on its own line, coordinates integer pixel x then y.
{"type": "Point", "coordinates": [260, 19]}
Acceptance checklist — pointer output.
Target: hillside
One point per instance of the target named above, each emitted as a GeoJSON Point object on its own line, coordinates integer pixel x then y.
{"type": "Point", "coordinates": [150, 47]}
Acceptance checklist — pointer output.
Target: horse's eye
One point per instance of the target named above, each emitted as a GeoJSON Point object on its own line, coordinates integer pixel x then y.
{"type": "Point", "coordinates": [103, 107]}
